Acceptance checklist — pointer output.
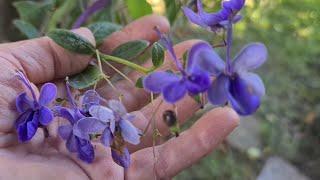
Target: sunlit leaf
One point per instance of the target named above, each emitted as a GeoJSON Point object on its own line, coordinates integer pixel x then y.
{"type": "Point", "coordinates": [130, 49]}
{"type": "Point", "coordinates": [87, 78]}
{"type": "Point", "coordinates": [72, 41]}
{"type": "Point", "coordinates": [26, 29]}
{"type": "Point", "coordinates": [157, 55]}
{"type": "Point", "coordinates": [101, 30]}
{"type": "Point", "coordinates": [138, 8]}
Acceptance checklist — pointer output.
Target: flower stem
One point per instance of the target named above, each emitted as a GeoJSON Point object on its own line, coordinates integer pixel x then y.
{"type": "Point", "coordinates": [229, 45]}
{"type": "Point", "coordinates": [106, 58]}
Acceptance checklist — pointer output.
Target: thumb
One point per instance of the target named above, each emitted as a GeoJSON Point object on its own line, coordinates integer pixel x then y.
{"type": "Point", "coordinates": [43, 60]}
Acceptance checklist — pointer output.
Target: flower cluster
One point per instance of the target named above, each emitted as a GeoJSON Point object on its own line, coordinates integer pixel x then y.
{"type": "Point", "coordinates": [232, 82]}
{"type": "Point", "coordinates": [217, 20]}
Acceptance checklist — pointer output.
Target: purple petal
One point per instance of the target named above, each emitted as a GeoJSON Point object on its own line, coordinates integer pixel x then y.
{"type": "Point", "coordinates": [128, 117]}
{"type": "Point", "coordinates": [121, 158]}
{"type": "Point", "coordinates": [23, 103]}
{"type": "Point", "coordinates": [203, 55]}
{"type": "Point", "coordinates": [26, 126]}
{"type": "Point", "coordinates": [65, 113]}
{"type": "Point", "coordinates": [241, 98]}
{"type": "Point", "coordinates": [254, 83]}
{"type": "Point", "coordinates": [107, 137]}
{"type": "Point", "coordinates": [85, 150]}
{"type": "Point", "coordinates": [86, 126]}
{"type": "Point", "coordinates": [155, 82]}
{"type": "Point", "coordinates": [90, 98]}
{"type": "Point", "coordinates": [198, 82]}
{"type": "Point", "coordinates": [102, 113]}
{"type": "Point", "coordinates": [97, 6]}
{"type": "Point", "coordinates": [48, 93]}
{"type": "Point", "coordinates": [219, 90]}
{"type": "Point", "coordinates": [174, 91]}
{"type": "Point", "coordinates": [194, 18]}
{"type": "Point", "coordinates": [45, 115]}
{"type": "Point", "coordinates": [117, 107]}
{"type": "Point", "coordinates": [113, 126]}
{"type": "Point", "coordinates": [71, 143]}
{"type": "Point", "coordinates": [233, 5]}
{"type": "Point", "coordinates": [129, 132]}
{"type": "Point", "coordinates": [250, 57]}
{"type": "Point", "coordinates": [65, 131]}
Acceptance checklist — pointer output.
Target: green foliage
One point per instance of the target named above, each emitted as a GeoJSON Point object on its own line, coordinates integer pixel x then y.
{"type": "Point", "coordinates": [87, 78]}
{"type": "Point", "coordinates": [138, 8]}
{"type": "Point", "coordinates": [33, 12]}
{"type": "Point", "coordinates": [157, 55]}
{"type": "Point", "coordinates": [139, 83]}
{"type": "Point", "coordinates": [26, 29]}
{"type": "Point", "coordinates": [130, 49]}
{"type": "Point", "coordinates": [72, 42]}
{"type": "Point", "coordinates": [101, 30]}
{"type": "Point", "coordinates": [173, 8]}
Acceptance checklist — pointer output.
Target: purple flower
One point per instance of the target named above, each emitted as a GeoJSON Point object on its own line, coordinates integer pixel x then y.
{"type": "Point", "coordinates": [34, 112]}
{"type": "Point", "coordinates": [74, 142]}
{"type": "Point", "coordinates": [192, 80]}
{"type": "Point", "coordinates": [237, 85]}
{"type": "Point", "coordinates": [97, 6]}
{"type": "Point", "coordinates": [217, 20]}
{"type": "Point", "coordinates": [114, 125]}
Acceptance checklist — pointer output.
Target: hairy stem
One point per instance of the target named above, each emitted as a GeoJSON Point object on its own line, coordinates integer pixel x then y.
{"type": "Point", "coordinates": [106, 58]}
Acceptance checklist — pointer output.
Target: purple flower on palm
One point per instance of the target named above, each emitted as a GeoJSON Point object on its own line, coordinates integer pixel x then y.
{"type": "Point", "coordinates": [114, 125]}
{"type": "Point", "coordinates": [34, 112]}
{"type": "Point", "coordinates": [217, 20]}
{"type": "Point", "coordinates": [74, 142]}
{"type": "Point", "coordinates": [192, 80]}
{"type": "Point", "coordinates": [236, 84]}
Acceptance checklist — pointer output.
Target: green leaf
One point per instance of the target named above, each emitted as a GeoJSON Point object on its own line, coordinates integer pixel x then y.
{"type": "Point", "coordinates": [138, 8]}
{"type": "Point", "coordinates": [85, 79]}
{"type": "Point", "coordinates": [33, 12]}
{"type": "Point", "coordinates": [101, 30]}
{"type": "Point", "coordinates": [130, 49]}
{"type": "Point", "coordinates": [139, 83]}
{"type": "Point", "coordinates": [71, 41]}
{"type": "Point", "coordinates": [26, 29]}
{"type": "Point", "coordinates": [172, 9]}
{"type": "Point", "coordinates": [157, 55]}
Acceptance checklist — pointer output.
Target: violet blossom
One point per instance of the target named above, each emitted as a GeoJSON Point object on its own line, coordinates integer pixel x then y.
{"type": "Point", "coordinates": [34, 113]}
{"type": "Point", "coordinates": [75, 143]}
{"type": "Point", "coordinates": [234, 83]}
{"type": "Point", "coordinates": [114, 125]}
{"type": "Point", "coordinates": [173, 87]}
{"type": "Point", "coordinates": [217, 20]}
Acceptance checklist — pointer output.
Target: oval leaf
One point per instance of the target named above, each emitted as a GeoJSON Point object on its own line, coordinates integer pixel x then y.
{"type": "Point", "coordinates": [157, 55]}
{"type": "Point", "coordinates": [87, 78]}
{"type": "Point", "coordinates": [138, 8]}
{"type": "Point", "coordinates": [130, 49]}
{"type": "Point", "coordinates": [101, 30]}
{"type": "Point", "coordinates": [26, 29]}
{"type": "Point", "coordinates": [72, 41]}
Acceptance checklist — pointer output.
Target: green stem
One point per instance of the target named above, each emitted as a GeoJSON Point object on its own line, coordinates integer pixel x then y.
{"type": "Point", "coordinates": [105, 57]}
{"type": "Point", "coordinates": [59, 14]}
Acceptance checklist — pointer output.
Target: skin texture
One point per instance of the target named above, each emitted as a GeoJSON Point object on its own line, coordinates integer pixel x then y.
{"type": "Point", "coordinates": [43, 61]}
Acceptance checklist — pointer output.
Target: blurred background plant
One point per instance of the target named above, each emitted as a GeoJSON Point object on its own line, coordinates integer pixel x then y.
{"type": "Point", "coordinates": [288, 123]}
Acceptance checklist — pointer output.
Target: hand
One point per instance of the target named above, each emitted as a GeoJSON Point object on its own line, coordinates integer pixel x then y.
{"type": "Point", "coordinates": [43, 61]}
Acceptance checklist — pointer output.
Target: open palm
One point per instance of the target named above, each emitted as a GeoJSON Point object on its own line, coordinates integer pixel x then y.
{"type": "Point", "coordinates": [47, 158]}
